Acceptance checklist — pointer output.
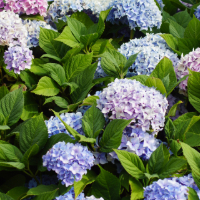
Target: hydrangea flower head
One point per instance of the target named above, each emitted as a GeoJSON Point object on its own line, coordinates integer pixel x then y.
{"type": "Point", "coordinates": [171, 188]}
{"type": "Point", "coordinates": [129, 99]}
{"type": "Point", "coordinates": [166, 189]}
{"type": "Point", "coordinates": [69, 161]}
{"type": "Point", "coordinates": [55, 126]}
{"type": "Point", "coordinates": [12, 31]}
{"type": "Point", "coordinates": [152, 48]}
{"type": "Point", "coordinates": [139, 13]}
{"type": "Point", "coordinates": [28, 7]}
{"type": "Point", "coordinates": [18, 58]}
{"type": "Point", "coordinates": [190, 61]}
{"type": "Point", "coordinates": [70, 195]}
{"type": "Point", "coordinates": [93, 198]}
{"type": "Point", "coordinates": [138, 142]}
{"type": "Point", "coordinates": [33, 28]}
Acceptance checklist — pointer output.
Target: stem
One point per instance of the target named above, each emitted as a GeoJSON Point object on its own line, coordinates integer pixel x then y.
{"type": "Point", "coordinates": [132, 34]}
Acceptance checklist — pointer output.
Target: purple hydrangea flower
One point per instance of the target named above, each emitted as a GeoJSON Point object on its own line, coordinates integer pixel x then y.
{"type": "Point", "coordinates": [12, 31]}
{"type": "Point", "coordinates": [70, 195]}
{"type": "Point", "coordinates": [129, 99]}
{"type": "Point", "coordinates": [33, 28]}
{"type": "Point", "coordinates": [28, 7]}
{"type": "Point", "coordinates": [18, 58]}
{"type": "Point", "coordinates": [138, 142]}
{"type": "Point", "coordinates": [197, 13]}
{"type": "Point", "coordinates": [69, 161]}
{"type": "Point", "coordinates": [55, 126]}
{"type": "Point", "coordinates": [171, 188]}
{"type": "Point", "coordinates": [189, 61]}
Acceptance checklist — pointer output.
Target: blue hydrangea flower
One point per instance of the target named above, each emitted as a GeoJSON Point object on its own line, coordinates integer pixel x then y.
{"type": "Point", "coordinates": [70, 195]}
{"type": "Point", "coordinates": [93, 198]}
{"type": "Point", "coordinates": [171, 188]}
{"type": "Point", "coordinates": [55, 126]}
{"type": "Point", "coordinates": [138, 142]}
{"type": "Point", "coordinates": [18, 58]}
{"type": "Point", "coordinates": [33, 28]}
{"type": "Point", "coordinates": [139, 13]}
{"type": "Point", "coordinates": [69, 161]}
{"type": "Point", "coordinates": [160, 2]}
{"type": "Point", "coordinates": [129, 99]}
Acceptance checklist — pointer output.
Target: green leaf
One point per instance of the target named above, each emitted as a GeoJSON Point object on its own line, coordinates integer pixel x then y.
{"type": "Point", "coordinates": [51, 56]}
{"type": "Point", "coordinates": [124, 179]}
{"type": "Point", "coordinates": [55, 71]}
{"type": "Point", "coordinates": [3, 91]}
{"type": "Point", "coordinates": [59, 101]}
{"type": "Point", "coordinates": [67, 38]}
{"type": "Point", "coordinates": [170, 129]}
{"type": "Point", "coordinates": [157, 83]}
{"type": "Point", "coordinates": [156, 160]}
{"type": "Point", "coordinates": [131, 163]}
{"type": "Point", "coordinates": [192, 194]}
{"type": "Point", "coordinates": [10, 73]}
{"type": "Point", "coordinates": [190, 1]}
{"type": "Point", "coordinates": [84, 81]}
{"type": "Point", "coordinates": [89, 39]}
{"type": "Point", "coordinates": [172, 42]}
{"type": "Point", "coordinates": [4, 127]}
{"type": "Point", "coordinates": [29, 78]}
{"type": "Point", "coordinates": [30, 106]}
{"type": "Point", "coordinates": [18, 192]}
{"type": "Point", "coordinates": [46, 87]}
{"type": "Point", "coordinates": [193, 29]}
{"type": "Point", "coordinates": [91, 100]}
{"type": "Point", "coordinates": [83, 18]}
{"type": "Point", "coordinates": [106, 186]}
{"type": "Point", "coordinates": [35, 67]}
{"type": "Point", "coordinates": [186, 45]}
{"type": "Point", "coordinates": [5, 197]}
{"type": "Point", "coordinates": [76, 27]}
{"type": "Point", "coordinates": [175, 147]}
{"type": "Point", "coordinates": [33, 150]}
{"type": "Point", "coordinates": [183, 18]}
{"type": "Point", "coordinates": [92, 121]}
{"type": "Point", "coordinates": [86, 179]}
{"type": "Point", "coordinates": [175, 29]}
{"type": "Point", "coordinates": [74, 132]}
{"type": "Point", "coordinates": [151, 176]}
{"type": "Point", "coordinates": [73, 86]}
{"type": "Point", "coordinates": [173, 165]}
{"type": "Point", "coordinates": [51, 46]}
{"type": "Point", "coordinates": [173, 109]}
{"type": "Point", "coordinates": [136, 189]}
{"type": "Point", "coordinates": [141, 78]}
{"type": "Point", "coordinates": [113, 134]}
{"type": "Point", "coordinates": [32, 131]}
{"type": "Point", "coordinates": [76, 65]}
{"type": "Point", "coordinates": [164, 68]}
{"type": "Point", "coordinates": [11, 106]}
{"type": "Point", "coordinates": [33, 17]}
{"type": "Point", "coordinates": [130, 61]}
{"type": "Point", "coordinates": [192, 139]}
{"type": "Point", "coordinates": [193, 158]}
{"type": "Point", "coordinates": [194, 89]}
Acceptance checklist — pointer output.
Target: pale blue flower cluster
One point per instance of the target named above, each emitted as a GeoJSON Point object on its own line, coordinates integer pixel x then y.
{"type": "Point", "coordinates": [33, 28]}
{"type": "Point", "coordinates": [139, 13]}
{"type": "Point", "coordinates": [70, 195]}
{"type": "Point", "coordinates": [138, 142]}
{"type": "Point", "coordinates": [18, 58]}
{"type": "Point", "coordinates": [129, 99]}
{"type": "Point", "coordinates": [151, 49]}
{"type": "Point", "coordinates": [161, 4]}
{"type": "Point", "coordinates": [69, 161]}
{"type": "Point", "coordinates": [171, 188]}
{"type": "Point", "coordinates": [55, 126]}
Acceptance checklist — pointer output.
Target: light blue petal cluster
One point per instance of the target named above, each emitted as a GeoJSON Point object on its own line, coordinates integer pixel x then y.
{"type": "Point", "coordinates": [33, 28]}
{"type": "Point", "coordinates": [18, 58]}
{"type": "Point", "coordinates": [139, 13]}
{"type": "Point", "coordinates": [70, 195]}
{"type": "Point", "coordinates": [138, 142]}
{"type": "Point", "coordinates": [129, 99]}
{"type": "Point", "coordinates": [55, 126]}
{"type": "Point", "coordinates": [69, 161]}
{"type": "Point", "coordinates": [151, 49]}
{"type": "Point", "coordinates": [171, 189]}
